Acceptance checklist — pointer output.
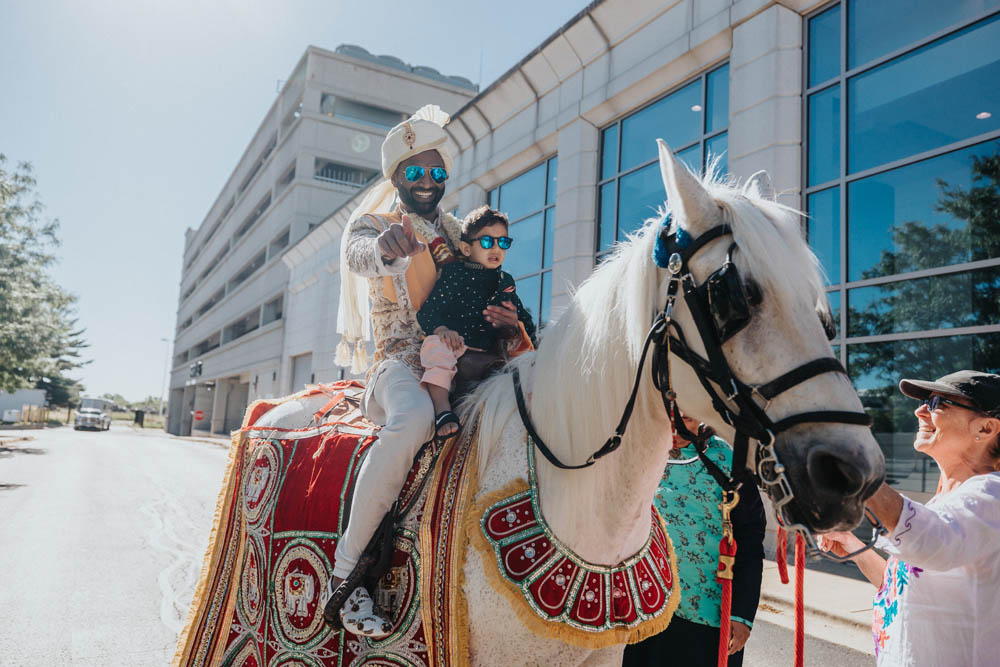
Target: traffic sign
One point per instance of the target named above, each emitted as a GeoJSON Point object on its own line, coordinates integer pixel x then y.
{"type": "Point", "coordinates": [198, 415]}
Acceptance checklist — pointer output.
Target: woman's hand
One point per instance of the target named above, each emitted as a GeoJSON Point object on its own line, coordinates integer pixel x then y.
{"type": "Point", "coordinates": [840, 543]}
{"type": "Point", "coordinates": [451, 338]}
{"type": "Point", "coordinates": [739, 633]}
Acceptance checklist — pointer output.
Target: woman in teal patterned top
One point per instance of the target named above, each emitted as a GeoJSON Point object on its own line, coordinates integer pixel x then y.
{"type": "Point", "coordinates": [688, 499]}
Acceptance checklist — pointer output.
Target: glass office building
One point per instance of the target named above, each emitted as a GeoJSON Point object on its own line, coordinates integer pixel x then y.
{"type": "Point", "coordinates": [902, 185]}
{"type": "Point", "coordinates": [878, 118]}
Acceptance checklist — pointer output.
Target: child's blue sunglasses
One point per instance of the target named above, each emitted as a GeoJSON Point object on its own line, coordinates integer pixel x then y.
{"type": "Point", "coordinates": [487, 241]}
{"type": "Point", "coordinates": [415, 172]}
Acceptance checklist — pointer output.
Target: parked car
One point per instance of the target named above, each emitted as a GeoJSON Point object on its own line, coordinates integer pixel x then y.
{"type": "Point", "coordinates": [92, 418]}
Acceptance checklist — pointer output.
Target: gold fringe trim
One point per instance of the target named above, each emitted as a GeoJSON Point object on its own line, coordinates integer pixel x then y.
{"type": "Point", "coordinates": [216, 547]}
{"type": "Point", "coordinates": [555, 629]}
{"type": "Point", "coordinates": [213, 553]}
{"type": "Point", "coordinates": [458, 638]}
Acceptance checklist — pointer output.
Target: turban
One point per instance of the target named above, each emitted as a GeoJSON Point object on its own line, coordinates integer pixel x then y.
{"type": "Point", "coordinates": [421, 132]}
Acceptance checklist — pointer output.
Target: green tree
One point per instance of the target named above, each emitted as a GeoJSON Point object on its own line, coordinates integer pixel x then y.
{"type": "Point", "coordinates": [39, 337]}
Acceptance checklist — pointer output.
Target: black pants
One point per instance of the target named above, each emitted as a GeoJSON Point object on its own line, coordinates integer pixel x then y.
{"type": "Point", "coordinates": [682, 643]}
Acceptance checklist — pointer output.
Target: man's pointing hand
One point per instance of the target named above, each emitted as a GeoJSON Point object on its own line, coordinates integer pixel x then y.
{"type": "Point", "coordinates": [399, 240]}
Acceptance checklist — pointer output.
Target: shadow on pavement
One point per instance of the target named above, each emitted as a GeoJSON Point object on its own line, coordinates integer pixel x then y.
{"type": "Point", "coordinates": [7, 451]}
{"type": "Point", "coordinates": [10, 487]}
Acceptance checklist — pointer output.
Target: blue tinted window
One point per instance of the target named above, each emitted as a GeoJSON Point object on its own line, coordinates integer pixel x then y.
{"type": "Point", "coordinates": [550, 194]}
{"type": "Point", "coordinates": [942, 93]}
{"type": "Point", "coordinates": [546, 307]}
{"type": "Point", "coordinates": [824, 46]}
{"type": "Point", "coordinates": [607, 213]}
{"type": "Point", "coordinates": [550, 237]}
{"type": "Point", "coordinates": [921, 216]}
{"type": "Point", "coordinates": [938, 302]}
{"type": "Point", "coordinates": [641, 195]}
{"type": "Point", "coordinates": [691, 157]}
{"type": "Point", "coordinates": [609, 152]}
{"type": "Point", "coordinates": [875, 28]}
{"type": "Point", "coordinates": [677, 119]}
{"type": "Point", "coordinates": [524, 194]}
{"type": "Point", "coordinates": [718, 100]}
{"type": "Point", "coordinates": [718, 146]}
{"type": "Point", "coordinates": [525, 256]}
{"type": "Point", "coordinates": [834, 299]}
{"type": "Point", "coordinates": [824, 135]}
{"type": "Point", "coordinates": [824, 231]}
{"type": "Point", "coordinates": [528, 291]}
{"type": "Point", "coordinates": [491, 198]}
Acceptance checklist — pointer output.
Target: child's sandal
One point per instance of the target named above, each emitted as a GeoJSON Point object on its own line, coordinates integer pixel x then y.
{"type": "Point", "coordinates": [441, 420]}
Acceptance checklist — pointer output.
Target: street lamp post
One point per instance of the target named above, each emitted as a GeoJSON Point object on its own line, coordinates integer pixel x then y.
{"type": "Point", "coordinates": [166, 365]}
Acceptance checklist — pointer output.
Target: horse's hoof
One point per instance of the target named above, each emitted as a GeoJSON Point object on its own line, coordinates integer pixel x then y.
{"type": "Point", "coordinates": [358, 616]}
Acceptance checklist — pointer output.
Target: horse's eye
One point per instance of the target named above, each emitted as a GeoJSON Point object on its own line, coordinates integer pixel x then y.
{"type": "Point", "coordinates": [754, 295]}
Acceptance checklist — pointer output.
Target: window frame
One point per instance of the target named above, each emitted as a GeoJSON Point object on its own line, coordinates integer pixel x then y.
{"type": "Point", "coordinates": [493, 201]}
{"type": "Point", "coordinates": [704, 138]}
{"type": "Point", "coordinates": [843, 285]}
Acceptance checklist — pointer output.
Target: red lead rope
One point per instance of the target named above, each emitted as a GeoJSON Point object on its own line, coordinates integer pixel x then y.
{"type": "Point", "coordinates": [800, 564]}
{"type": "Point", "coordinates": [724, 575]}
{"type": "Point", "coordinates": [727, 552]}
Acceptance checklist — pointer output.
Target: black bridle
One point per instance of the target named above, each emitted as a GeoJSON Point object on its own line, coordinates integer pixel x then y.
{"type": "Point", "coordinates": [719, 308]}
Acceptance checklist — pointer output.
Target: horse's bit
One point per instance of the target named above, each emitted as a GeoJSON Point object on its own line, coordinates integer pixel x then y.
{"type": "Point", "coordinates": [720, 308]}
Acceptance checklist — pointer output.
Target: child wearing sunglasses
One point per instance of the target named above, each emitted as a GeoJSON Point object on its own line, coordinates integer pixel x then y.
{"type": "Point", "coordinates": [453, 314]}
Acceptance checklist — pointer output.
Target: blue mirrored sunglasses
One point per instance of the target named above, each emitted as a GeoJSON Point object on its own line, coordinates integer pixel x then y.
{"type": "Point", "coordinates": [934, 402]}
{"type": "Point", "coordinates": [487, 241]}
{"type": "Point", "coordinates": [415, 172]}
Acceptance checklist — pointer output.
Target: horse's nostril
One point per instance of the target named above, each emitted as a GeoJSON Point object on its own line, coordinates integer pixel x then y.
{"type": "Point", "coordinates": [831, 474]}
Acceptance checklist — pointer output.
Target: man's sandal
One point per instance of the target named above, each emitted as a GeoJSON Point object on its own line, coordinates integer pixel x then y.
{"type": "Point", "coordinates": [441, 420]}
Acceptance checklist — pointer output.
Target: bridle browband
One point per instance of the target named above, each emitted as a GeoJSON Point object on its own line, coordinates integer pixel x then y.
{"type": "Point", "coordinates": [718, 314]}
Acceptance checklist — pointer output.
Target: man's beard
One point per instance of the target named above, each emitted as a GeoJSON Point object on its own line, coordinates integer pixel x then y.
{"type": "Point", "coordinates": [419, 207]}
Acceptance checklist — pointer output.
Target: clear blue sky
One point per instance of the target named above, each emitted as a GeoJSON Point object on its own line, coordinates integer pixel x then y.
{"type": "Point", "coordinates": [135, 112]}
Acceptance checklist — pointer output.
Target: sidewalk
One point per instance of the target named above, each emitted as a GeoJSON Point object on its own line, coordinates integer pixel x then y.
{"type": "Point", "coordinates": [211, 439]}
{"type": "Point", "coordinates": [838, 609]}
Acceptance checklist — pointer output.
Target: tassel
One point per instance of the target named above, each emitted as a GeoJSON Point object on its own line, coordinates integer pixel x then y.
{"type": "Point", "coordinates": [361, 361]}
{"type": "Point", "coordinates": [343, 355]}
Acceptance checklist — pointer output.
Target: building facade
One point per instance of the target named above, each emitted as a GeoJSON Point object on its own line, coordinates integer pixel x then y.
{"type": "Point", "coordinates": [318, 145]}
{"type": "Point", "coordinates": [878, 118]}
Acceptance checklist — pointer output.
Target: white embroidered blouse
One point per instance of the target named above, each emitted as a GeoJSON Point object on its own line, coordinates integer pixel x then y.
{"type": "Point", "coordinates": [939, 604]}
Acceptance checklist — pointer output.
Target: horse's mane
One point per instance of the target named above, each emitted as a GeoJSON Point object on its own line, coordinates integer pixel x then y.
{"type": "Point", "coordinates": [586, 363]}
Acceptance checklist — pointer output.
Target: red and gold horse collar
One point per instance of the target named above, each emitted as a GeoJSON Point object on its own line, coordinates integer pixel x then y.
{"type": "Point", "coordinates": [561, 587]}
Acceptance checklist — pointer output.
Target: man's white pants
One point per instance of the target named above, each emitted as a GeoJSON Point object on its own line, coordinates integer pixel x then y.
{"type": "Point", "coordinates": [395, 400]}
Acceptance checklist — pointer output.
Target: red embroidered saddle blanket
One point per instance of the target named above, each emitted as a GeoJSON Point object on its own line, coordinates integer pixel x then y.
{"type": "Point", "coordinates": [271, 553]}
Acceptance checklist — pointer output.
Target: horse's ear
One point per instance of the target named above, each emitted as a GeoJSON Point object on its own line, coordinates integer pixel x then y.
{"type": "Point", "coordinates": [759, 183]}
{"type": "Point", "coordinates": [688, 200]}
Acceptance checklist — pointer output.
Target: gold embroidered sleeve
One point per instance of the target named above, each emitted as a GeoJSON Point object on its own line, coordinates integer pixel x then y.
{"type": "Point", "coordinates": [363, 255]}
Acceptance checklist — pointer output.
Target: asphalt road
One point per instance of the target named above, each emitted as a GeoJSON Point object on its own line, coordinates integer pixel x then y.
{"type": "Point", "coordinates": [772, 646]}
{"type": "Point", "coordinates": [102, 537]}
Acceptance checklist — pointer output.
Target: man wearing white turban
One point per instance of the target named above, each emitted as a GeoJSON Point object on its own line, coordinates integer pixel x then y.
{"type": "Point", "coordinates": [396, 238]}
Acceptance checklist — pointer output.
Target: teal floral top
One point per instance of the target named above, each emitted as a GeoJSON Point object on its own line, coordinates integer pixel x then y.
{"type": "Point", "coordinates": [688, 499]}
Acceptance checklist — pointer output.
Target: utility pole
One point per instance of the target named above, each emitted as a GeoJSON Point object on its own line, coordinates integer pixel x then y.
{"type": "Point", "coordinates": [166, 365]}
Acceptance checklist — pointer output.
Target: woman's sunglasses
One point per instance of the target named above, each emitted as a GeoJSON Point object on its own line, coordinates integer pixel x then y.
{"type": "Point", "coordinates": [934, 402]}
{"type": "Point", "coordinates": [415, 172]}
{"type": "Point", "coordinates": [487, 241]}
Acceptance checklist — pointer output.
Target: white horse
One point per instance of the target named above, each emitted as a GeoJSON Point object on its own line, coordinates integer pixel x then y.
{"type": "Point", "coordinates": [578, 380]}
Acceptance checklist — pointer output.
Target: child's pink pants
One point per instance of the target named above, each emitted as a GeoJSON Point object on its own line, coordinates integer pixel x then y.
{"type": "Point", "coordinates": [439, 362]}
